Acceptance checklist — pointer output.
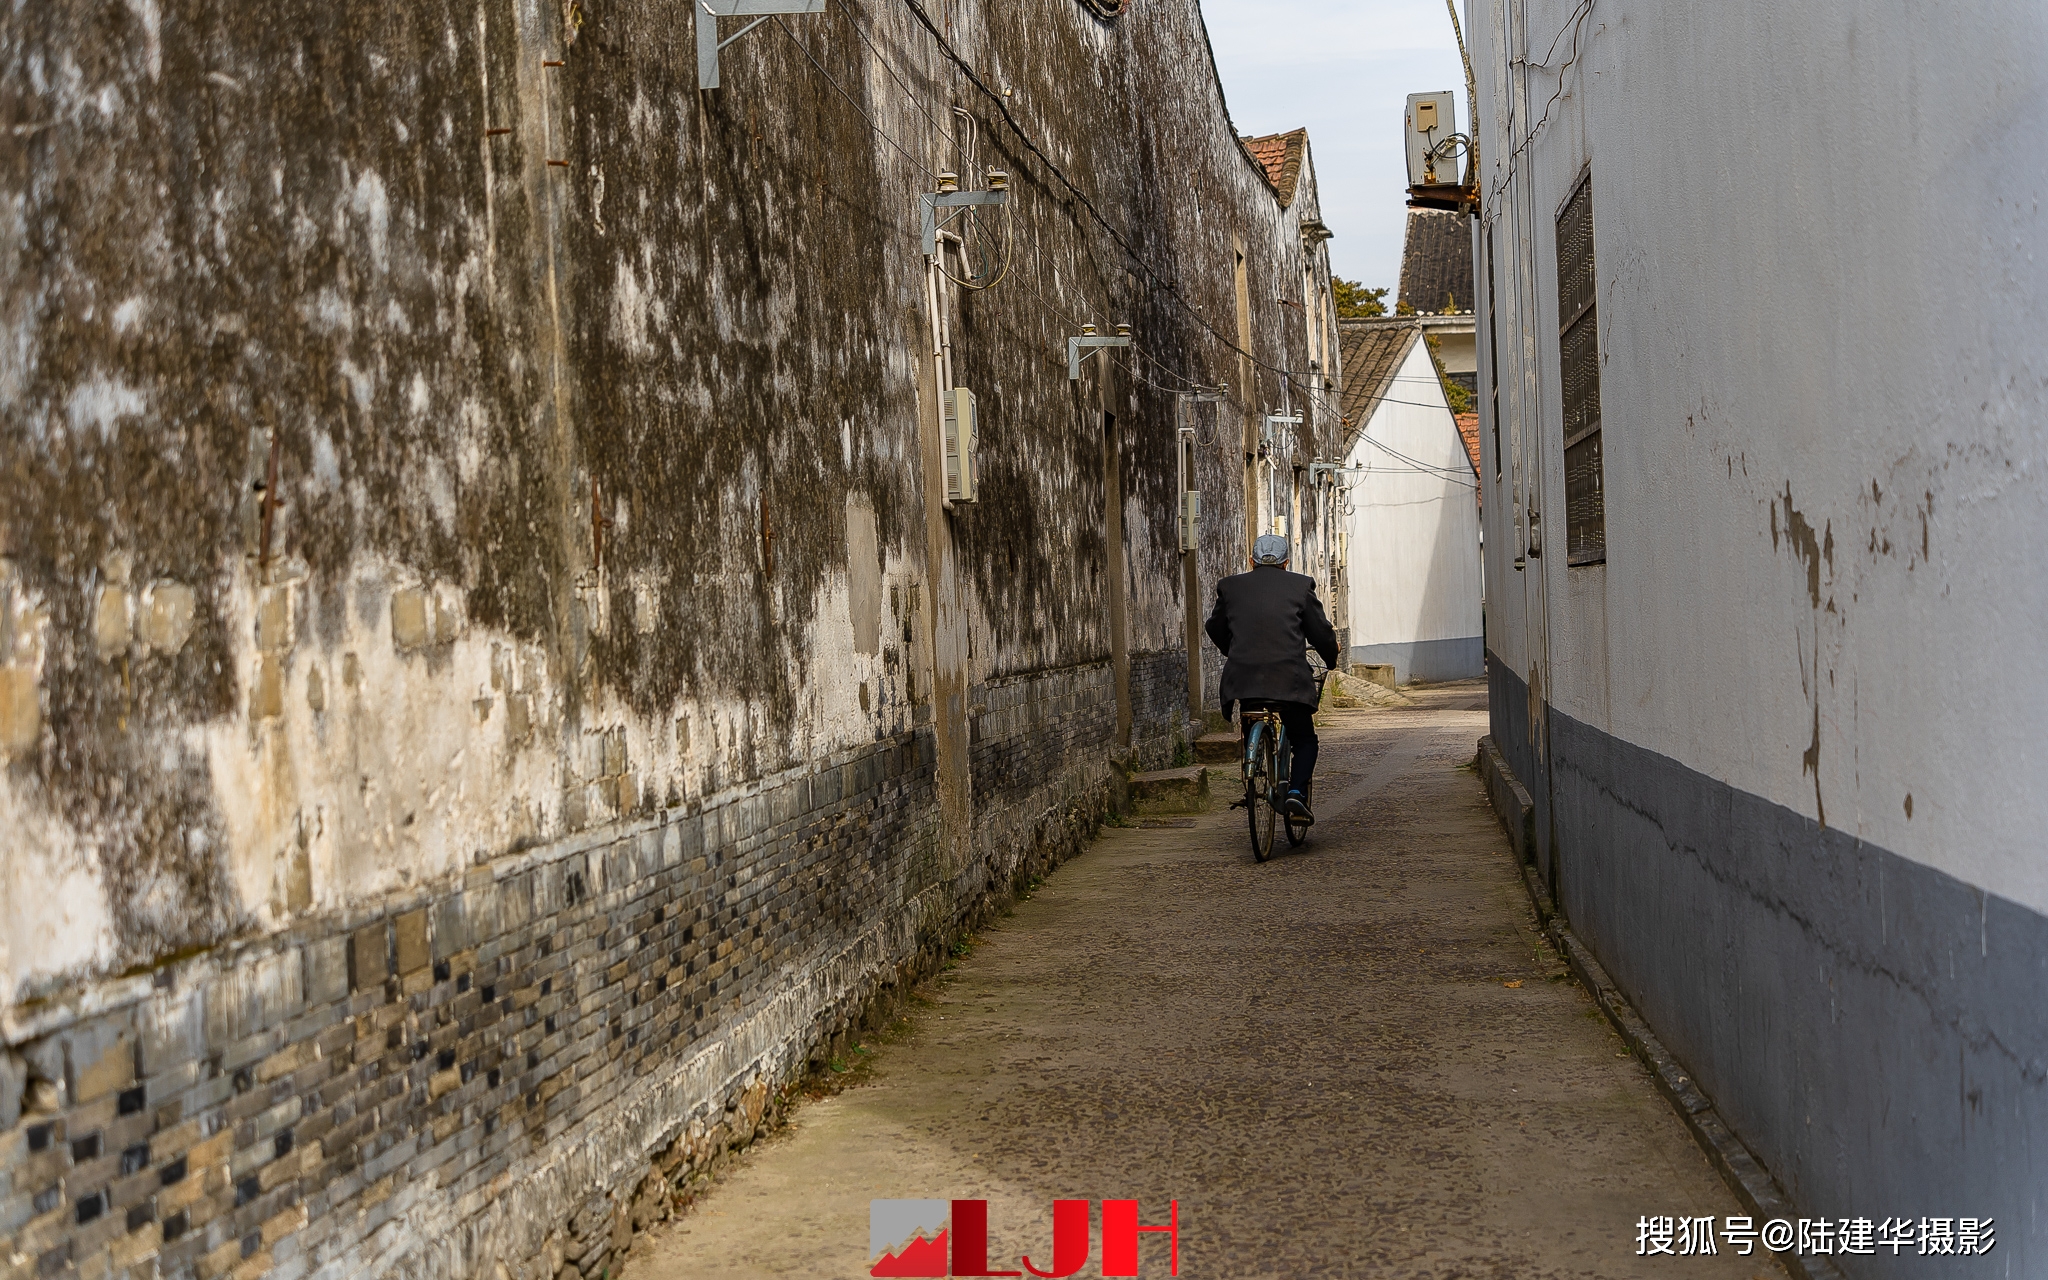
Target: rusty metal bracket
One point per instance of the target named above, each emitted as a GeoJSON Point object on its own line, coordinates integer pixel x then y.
{"type": "Point", "coordinates": [1449, 197]}
{"type": "Point", "coordinates": [710, 11]}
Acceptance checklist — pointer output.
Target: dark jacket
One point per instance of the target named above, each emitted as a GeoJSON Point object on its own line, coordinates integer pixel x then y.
{"type": "Point", "coordinates": [1264, 623]}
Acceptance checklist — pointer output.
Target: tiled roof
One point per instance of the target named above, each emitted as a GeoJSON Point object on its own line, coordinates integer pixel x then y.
{"type": "Point", "coordinates": [1373, 351]}
{"type": "Point", "coordinates": [1468, 430]}
{"type": "Point", "coordinates": [1436, 261]}
{"type": "Point", "coordinates": [1371, 354]}
{"type": "Point", "coordinates": [1279, 154]}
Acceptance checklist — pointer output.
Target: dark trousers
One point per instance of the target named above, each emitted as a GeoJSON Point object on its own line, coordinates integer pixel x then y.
{"type": "Point", "coordinates": [1300, 719]}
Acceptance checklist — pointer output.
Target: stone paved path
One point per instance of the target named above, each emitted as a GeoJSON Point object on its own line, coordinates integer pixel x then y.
{"type": "Point", "coordinates": [1321, 1058]}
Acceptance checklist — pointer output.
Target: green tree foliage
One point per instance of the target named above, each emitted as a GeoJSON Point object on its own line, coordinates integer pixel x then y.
{"type": "Point", "coordinates": [1460, 400]}
{"type": "Point", "coordinates": [1356, 302]}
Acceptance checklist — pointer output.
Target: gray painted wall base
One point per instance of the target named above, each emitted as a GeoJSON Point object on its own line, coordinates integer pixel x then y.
{"type": "Point", "coordinates": [1511, 801]}
{"type": "Point", "coordinates": [1463, 658]}
{"type": "Point", "coordinates": [1871, 1026]}
{"type": "Point", "coordinates": [1738, 1166]}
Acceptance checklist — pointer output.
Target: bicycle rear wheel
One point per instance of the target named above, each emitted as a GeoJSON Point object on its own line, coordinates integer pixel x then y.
{"type": "Point", "coordinates": [1283, 776]}
{"type": "Point", "coordinates": [1258, 790]}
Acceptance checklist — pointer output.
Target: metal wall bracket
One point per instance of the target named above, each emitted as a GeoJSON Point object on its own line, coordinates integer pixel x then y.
{"type": "Point", "coordinates": [710, 11]}
{"type": "Point", "coordinates": [1090, 341]}
{"type": "Point", "coordinates": [931, 202]}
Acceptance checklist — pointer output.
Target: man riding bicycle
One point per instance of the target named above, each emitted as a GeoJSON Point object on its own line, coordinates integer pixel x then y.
{"type": "Point", "coordinates": [1263, 625]}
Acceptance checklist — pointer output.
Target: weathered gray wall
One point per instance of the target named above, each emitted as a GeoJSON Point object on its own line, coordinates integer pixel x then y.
{"type": "Point", "coordinates": [485, 684]}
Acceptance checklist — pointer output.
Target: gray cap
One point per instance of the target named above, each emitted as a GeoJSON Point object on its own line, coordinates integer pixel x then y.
{"type": "Point", "coordinates": [1271, 548]}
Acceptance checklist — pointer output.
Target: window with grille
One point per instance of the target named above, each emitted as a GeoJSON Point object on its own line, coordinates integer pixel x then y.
{"type": "Point", "coordinates": [1579, 376]}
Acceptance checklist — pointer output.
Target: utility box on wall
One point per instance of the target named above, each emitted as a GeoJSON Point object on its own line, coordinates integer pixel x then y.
{"type": "Point", "coordinates": [1190, 519]}
{"type": "Point", "coordinates": [962, 467]}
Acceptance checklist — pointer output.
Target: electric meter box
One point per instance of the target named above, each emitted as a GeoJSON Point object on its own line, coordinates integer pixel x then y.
{"type": "Point", "coordinates": [1432, 118]}
{"type": "Point", "coordinates": [1190, 519]}
{"type": "Point", "coordinates": [962, 467]}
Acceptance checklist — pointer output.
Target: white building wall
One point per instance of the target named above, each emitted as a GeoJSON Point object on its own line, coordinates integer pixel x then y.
{"type": "Point", "coordinates": [1823, 320]}
{"type": "Point", "coordinates": [1413, 545]}
{"type": "Point", "coordinates": [1864, 325]}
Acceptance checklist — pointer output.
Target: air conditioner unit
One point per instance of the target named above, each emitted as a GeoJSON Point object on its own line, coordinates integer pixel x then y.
{"type": "Point", "coordinates": [1190, 519]}
{"type": "Point", "coordinates": [962, 468]}
{"type": "Point", "coordinates": [1432, 118]}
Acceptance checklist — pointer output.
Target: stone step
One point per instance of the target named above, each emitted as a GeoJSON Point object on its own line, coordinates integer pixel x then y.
{"type": "Point", "coordinates": [1380, 673]}
{"type": "Point", "coordinates": [1218, 748]}
{"type": "Point", "coordinates": [1171, 789]}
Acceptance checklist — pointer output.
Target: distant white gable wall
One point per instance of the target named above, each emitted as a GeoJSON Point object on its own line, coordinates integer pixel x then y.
{"type": "Point", "coordinates": [1413, 535]}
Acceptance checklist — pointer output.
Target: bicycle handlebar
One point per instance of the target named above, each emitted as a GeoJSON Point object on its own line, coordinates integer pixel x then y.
{"type": "Point", "coordinates": [1322, 677]}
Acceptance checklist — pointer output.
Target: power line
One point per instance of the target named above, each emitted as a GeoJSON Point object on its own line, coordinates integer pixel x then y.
{"type": "Point", "coordinates": [1310, 394]}
{"type": "Point", "coordinates": [1574, 25]}
{"type": "Point", "coordinates": [846, 11]}
{"type": "Point", "coordinates": [924, 19]}
{"type": "Point", "coordinates": [1418, 466]}
{"type": "Point", "coordinates": [879, 131]}
{"type": "Point", "coordinates": [1449, 473]}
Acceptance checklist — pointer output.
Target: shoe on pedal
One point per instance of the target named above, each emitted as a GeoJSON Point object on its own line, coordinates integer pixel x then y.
{"type": "Point", "coordinates": [1297, 809]}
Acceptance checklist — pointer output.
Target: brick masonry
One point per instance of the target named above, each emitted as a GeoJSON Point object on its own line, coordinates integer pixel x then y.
{"type": "Point", "coordinates": [504, 1076]}
{"type": "Point", "coordinates": [1159, 708]}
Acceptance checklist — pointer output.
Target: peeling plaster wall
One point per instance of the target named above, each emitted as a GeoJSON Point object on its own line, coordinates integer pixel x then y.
{"type": "Point", "coordinates": [1796, 698]}
{"type": "Point", "coordinates": [442, 439]}
{"type": "Point", "coordinates": [1822, 404]}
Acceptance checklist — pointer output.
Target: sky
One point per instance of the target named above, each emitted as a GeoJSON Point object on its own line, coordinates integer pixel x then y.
{"type": "Point", "coordinates": [1343, 68]}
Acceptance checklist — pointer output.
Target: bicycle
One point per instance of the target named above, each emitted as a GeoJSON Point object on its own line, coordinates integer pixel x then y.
{"type": "Point", "coordinates": [1267, 765]}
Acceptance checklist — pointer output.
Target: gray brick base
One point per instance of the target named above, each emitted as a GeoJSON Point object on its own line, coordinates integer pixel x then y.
{"type": "Point", "coordinates": [519, 1069]}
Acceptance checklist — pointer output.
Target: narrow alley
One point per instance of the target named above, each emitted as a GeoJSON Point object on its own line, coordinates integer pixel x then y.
{"type": "Point", "coordinates": [602, 604]}
{"type": "Point", "coordinates": [1356, 1059]}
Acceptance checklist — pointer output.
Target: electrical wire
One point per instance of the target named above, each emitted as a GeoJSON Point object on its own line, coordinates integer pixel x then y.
{"type": "Point", "coordinates": [1412, 502]}
{"type": "Point", "coordinates": [1009, 239]}
{"type": "Point", "coordinates": [1442, 473]}
{"type": "Point", "coordinates": [1310, 394]}
{"type": "Point", "coordinates": [1009, 252]}
{"type": "Point", "coordinates": [879, 131]}
{"type": "Point", "coordinates": [1585, 6]}
{"type": "Point", "coordinates": [924, 19]}
{"type": "Point", "coordinates": [1574, 24]}
{"type": "Point", "coordinates": [846, 11]}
